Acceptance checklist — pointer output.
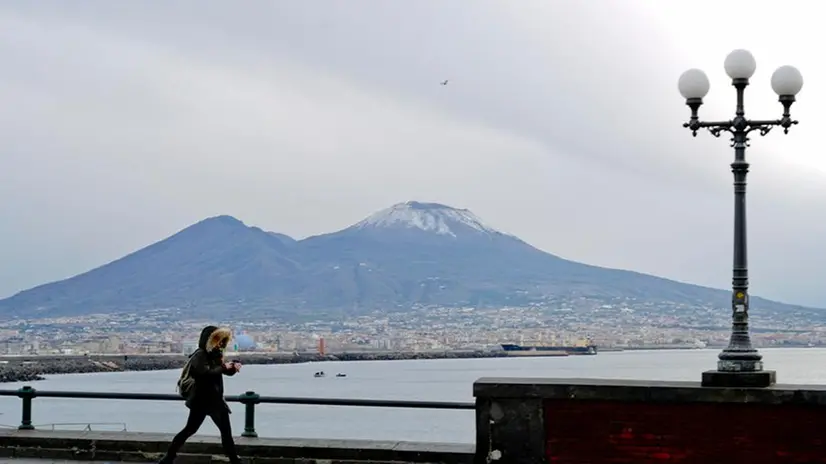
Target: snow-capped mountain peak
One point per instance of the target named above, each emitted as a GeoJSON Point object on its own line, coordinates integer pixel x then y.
{"type": "Point", "coordinates": [431, 217]}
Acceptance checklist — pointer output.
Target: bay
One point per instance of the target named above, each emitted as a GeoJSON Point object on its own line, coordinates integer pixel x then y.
{"type": "Point", "coordinates": [430, 380]}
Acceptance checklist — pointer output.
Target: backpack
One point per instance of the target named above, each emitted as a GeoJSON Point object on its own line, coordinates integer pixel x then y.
{"type": "Point", "coordinates": [185, 381]}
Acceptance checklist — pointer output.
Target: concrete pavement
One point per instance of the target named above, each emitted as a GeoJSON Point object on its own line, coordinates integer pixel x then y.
{"type": "Point", "coordinates": [52, 461]}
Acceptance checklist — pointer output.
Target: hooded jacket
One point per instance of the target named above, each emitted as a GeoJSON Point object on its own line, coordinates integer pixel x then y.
{"type": "Point", "coordinates": [207, 370]}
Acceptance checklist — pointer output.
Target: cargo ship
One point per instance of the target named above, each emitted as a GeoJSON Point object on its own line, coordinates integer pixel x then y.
{"type": "Point", "coordinates": [513, 349]}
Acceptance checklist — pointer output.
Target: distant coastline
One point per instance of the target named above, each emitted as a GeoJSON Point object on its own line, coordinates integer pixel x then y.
{"type": "Point", "coordinates": [33, 368]}
{"type": "Point", "coordinates": [29, 368]}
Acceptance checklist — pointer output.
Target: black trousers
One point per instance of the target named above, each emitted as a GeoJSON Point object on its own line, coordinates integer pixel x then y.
{"type": "Point", "coordinates": [194, 422]}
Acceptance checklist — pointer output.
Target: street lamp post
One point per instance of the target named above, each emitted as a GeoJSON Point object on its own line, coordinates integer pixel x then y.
{"type": "Point", "coordinates": [740, 365]}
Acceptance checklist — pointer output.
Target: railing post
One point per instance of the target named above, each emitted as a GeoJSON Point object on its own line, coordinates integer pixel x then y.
{"type": "Point", "coordinates": [26, 394]}
{"type": "Point", "coordinates": [249, 400]}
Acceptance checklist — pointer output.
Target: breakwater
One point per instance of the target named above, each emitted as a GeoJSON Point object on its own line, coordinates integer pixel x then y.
{"type": "Point", "coordinates": [31, 368]}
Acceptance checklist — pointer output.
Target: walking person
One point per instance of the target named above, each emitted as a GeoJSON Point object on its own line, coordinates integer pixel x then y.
{"type": "Point", "coordinates": [202, 385]}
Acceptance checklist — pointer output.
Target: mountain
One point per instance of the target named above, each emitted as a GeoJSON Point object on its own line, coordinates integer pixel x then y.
{"type": "Point", "coordinates": [407, 255]}
{"type": "Point", "coordinates": [285, 239]}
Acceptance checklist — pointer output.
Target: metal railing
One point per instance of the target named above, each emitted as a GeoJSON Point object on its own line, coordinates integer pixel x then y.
{"type": "Point", "coordinates": [84, 426]}
{"type": "Point", "coordinates": [248, 399]}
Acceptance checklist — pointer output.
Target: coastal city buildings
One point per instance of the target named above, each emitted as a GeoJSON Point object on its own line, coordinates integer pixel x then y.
{"type": "Point", "coordinates": [621, 324]}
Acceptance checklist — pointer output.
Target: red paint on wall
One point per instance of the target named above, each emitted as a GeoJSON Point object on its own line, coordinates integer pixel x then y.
{"type": "Point", "coordinates": [604, 432]}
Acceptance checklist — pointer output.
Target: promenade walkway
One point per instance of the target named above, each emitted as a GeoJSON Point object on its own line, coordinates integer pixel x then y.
{"type": "Point", "coordinates": [41, 446]}
{"type": "Point", "coordinates": [50, 461]}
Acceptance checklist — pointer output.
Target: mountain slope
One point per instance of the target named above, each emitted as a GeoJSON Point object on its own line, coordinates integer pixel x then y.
{"type": "Point", "coordinates": [408, 255]}
{"type": "Point", "coordinates": [217, 259]}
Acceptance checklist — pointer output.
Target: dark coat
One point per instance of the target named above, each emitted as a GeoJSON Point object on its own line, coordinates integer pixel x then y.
{"type": "Point", "coordinates": [208, 371]}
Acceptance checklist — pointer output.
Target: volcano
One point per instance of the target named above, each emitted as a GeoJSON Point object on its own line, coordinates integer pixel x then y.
{"type": "Point", "coordinates": [409, 255]}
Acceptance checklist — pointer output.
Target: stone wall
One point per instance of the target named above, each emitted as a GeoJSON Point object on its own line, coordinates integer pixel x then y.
{"type": "Point", "coordinates": [611, 422]}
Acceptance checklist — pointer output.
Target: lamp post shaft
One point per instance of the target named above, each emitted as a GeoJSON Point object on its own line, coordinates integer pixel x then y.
{"type": "Point", "coordinates": [739, 364]}
{"type": "Point", "coordinates": [740, 356]}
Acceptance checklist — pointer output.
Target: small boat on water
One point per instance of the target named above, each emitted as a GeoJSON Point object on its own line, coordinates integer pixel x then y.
{"type": "Point", "coordinates": [319, 374]}
{"type": "Point", "coordinates": [341, 375]}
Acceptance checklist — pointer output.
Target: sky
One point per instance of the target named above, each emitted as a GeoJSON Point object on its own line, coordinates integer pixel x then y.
{"type": "Point", "coordinates": [124, 122]}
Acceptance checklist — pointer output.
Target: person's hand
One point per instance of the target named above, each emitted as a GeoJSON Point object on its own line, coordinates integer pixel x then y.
{"type": "Point", "coordinates": [237, 366]}
{"type": "Point", "coordinates": [228, 366]}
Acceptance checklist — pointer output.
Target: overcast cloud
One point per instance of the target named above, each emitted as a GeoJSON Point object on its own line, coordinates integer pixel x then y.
{"type": "Point", "coordinates": [123, 122]}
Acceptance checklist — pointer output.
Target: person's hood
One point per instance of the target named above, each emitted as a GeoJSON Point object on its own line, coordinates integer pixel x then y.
{"type": "Point", "coordinates": [216, 338]}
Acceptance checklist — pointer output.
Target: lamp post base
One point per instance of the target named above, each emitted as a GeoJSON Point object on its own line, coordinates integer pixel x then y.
{"type": "Point", "coordinates": [756, 379]}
